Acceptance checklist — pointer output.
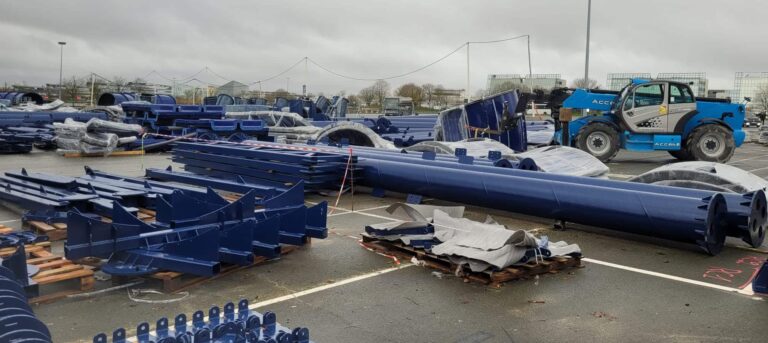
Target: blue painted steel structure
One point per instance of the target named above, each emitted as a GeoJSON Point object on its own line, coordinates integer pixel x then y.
{"type": "Point", "coordinates": [274, 165]}
{"type": "Point", "coordinates": [195, 229]}
{"type": "Point", "coordinates": [17, 321]}
{"type": "Point", "coordinates": [747, 216]}
{"type": "Point", "coordinates": [117, 98]}
{"type": "Point", "coordinates": [686, 219]}
{"type": "Point", "coordinates": [17, 98]}
{"type": "Point", "coordinates": [230, 325]}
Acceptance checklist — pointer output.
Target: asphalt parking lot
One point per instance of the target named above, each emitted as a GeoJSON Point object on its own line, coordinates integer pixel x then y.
{"type": "Point", "coordinates": [631, 289]}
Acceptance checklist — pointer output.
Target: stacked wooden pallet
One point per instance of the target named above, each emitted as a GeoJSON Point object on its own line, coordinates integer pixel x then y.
{"type": "Point", "coordinates": [493, 278]}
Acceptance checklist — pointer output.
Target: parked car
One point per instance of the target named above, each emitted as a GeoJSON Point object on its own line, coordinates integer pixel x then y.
{"type": "Point", "coordinates": [752, 122]}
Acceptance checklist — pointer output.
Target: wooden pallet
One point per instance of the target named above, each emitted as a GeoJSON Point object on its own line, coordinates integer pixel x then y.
{"type": "Point", "coordinates": [55, 231]}
{"type": "Point", "coordinates": [29, 248]}
{"type": "Point", "coordinates": [56, 269]}
{"type": "Point", "coordinates": [58, 231]}
{"type": "Point", "coordinates": [494, 279]}
{"type": "Point", "coordinates": [114, 153]}
{"type": "Point", "coordinates": [175, 281]}
{"type": "Point", "coordinates": [4, 230]}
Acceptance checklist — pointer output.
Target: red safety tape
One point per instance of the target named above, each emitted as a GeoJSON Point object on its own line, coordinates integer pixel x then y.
{"type": "Point", "coordinates": [366, 247]}
{"type": "Point", "coordinates": [343, 181]}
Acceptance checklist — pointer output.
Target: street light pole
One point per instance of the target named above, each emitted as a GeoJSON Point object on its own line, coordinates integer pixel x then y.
{"type": "Point", "coordinates": [61, 66]}
{"type": "Point", "coordinates": [586, 62]}
{"type": "Point", "coordinates": [530, 70]}
{"type": "Point", "coordinates": [467, 95]}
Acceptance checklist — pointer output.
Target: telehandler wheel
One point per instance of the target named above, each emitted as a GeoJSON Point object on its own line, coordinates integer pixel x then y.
{"type": "Point", "coordinates": [711, 142]}
{"type": "Point", "coordinates": [599, 139]}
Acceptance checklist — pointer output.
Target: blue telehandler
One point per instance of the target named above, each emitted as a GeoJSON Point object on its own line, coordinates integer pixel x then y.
{"type": "Point", "coordinates": [648, 115]}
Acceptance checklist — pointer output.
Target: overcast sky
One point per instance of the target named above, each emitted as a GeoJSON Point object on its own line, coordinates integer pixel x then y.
{"type": "Point", "coordinates": [252, 40]}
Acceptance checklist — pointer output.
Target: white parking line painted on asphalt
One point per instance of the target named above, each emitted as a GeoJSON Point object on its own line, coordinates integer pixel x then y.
{"type": "Point", "coordinates": [9, 221]}
{"type": "Point", "coordinates": [746, 290]}
{"type": "Point", "coordinates": [360, 211]}
{"type": "Point", "coordinates": [324, 287]}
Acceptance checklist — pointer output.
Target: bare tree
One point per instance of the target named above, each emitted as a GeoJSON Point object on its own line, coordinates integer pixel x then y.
{"type": "Point", "coordinates": [367, 94]}
{"type": "Point", "coordinates": [354, 100]}
{"type": "Point", "coordinates": [119, 83]}
{"type": "Point", "coordinates": [587, 84]}
{"type": "Point", "coordinates": [381, 90]}
{"type": "Point", "coordinates": [761, 99]}
{"type": "Point", "coordinates": [429, 92]}
{"type": "Point", "coordinates": [413, 91]}
{"type": "Point", "coordinates": [71, 89]}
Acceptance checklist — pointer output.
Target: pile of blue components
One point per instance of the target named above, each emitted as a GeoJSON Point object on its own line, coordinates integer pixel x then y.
{"type": "Point", "coordinates": [462, 122]}
{"type": "Point", "coordinates": [20, 131]}
{"type": "Point", "coordinates": [228, 326]}
{"type": "Point", "coordinates": [17, 321]}
{"type": "Point", "coordinates": [265, 163]}
{"type": "Point", "coordinates": [195, 229]}
{"type": "Point", "coordinates": [403, 131]}
{"type": "Point", "coordinates": [320, 109]}
{"type": "Point", "coordinates": [13, 239]}
{"type": "Point", "coordinates": [21, 140]}
{"type": "Point", "coordinates": [203, 122]}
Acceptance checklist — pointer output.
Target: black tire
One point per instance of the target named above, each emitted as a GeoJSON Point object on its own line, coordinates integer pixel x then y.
{"type": "Point", "coordinates": [711, 142]}
{"type": "Point", "coordinates": [599, 139]}
{"type": "Point", "coordinates": [681, 154]}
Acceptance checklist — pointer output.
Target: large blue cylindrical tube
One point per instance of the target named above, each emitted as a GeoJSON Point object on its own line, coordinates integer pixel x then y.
{"type": "Point", "coordinates": [747, 213]}
{"type": "Point", "coordinates": [685, 219]}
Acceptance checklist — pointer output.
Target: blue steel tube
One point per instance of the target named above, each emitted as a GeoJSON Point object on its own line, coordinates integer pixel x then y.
{"type": "Point", "coordinates": [684, 219]}
{"type": "Point", "coordinates": [747, 213]}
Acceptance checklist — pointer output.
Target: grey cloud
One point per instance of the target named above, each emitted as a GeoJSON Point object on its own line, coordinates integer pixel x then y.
{"type": "Point", "coordinates": [251, 40]}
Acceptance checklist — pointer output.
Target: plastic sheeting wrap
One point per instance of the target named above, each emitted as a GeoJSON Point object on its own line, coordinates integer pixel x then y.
{"type": "Point", "coordinates": [95, 136]}
{"type": "Point", "coordinates": [550, 159]}
{"type": "Point", "coordinates": [120, 129]}
{"type": "Point", "coordinates": [565, 160]}
{"type": "Point", "coordinates": [106, 140]}
{"type": "Point", "coordinates": [704, 175]}
{"type": "Point", "coordinates": [69, 129]}
{"type": "Point", "coordinates": [356, 133]}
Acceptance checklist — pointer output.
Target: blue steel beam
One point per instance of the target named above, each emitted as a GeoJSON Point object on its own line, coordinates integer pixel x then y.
{"type": "Point", "coordinates": [238, 186]}
{"type": "Point", "coordinates": [288, 154]}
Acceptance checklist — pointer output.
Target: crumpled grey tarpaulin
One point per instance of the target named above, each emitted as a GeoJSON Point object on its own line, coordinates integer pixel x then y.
{"type": "Point", "coordinates": [482, 245]}
{"type": "Point", "coordinates": [415, 212]}
{"type": "Point", "coordinates": [411, 216]}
